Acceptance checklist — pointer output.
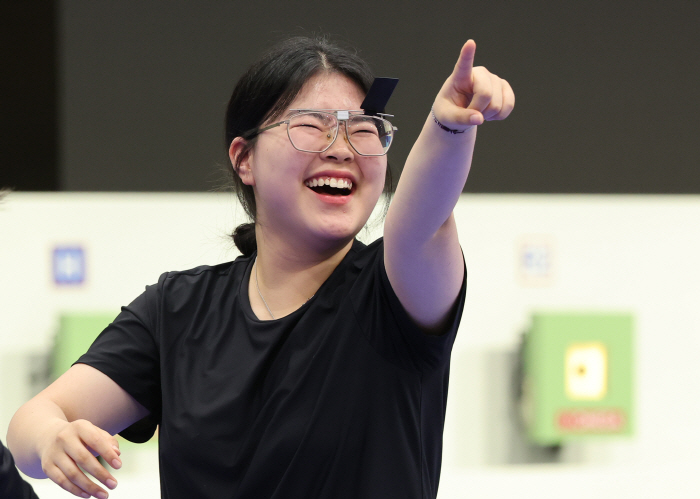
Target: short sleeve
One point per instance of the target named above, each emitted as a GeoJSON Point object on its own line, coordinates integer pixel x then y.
{"type": "Point", "coordinates": [391, 330]}
{"type": "Point", "coordinates": [128, 352]}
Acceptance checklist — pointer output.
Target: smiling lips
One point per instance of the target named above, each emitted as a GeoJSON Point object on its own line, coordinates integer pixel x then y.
{"type": "Point", "coordinates": [330, 185]}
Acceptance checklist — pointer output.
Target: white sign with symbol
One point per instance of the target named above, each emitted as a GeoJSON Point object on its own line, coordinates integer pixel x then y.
{"type": "Point", "coordinates": [535, 261]}
{"type": "Point", "coordinates": [68, 265]}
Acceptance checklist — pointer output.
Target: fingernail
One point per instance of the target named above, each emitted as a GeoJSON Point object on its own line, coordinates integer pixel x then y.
{"type": "Point", "coordinates": [116, 463]}
{"type": "Point", "coordinates": [111, 483]}
{"type": "Point", "coordinates": [102, 494]}
{"type": "Point", "coordinates": [116, 449]}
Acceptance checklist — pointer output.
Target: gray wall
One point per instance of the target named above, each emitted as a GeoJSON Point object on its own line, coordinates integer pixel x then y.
{"type": "Point", "coordinates": [606, 91]}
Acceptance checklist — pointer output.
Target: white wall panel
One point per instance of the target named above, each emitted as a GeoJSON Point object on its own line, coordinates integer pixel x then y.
{"type": "Point", "coordinates": [617, 253]}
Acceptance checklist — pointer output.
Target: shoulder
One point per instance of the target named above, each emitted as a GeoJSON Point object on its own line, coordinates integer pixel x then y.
{"type": "Point", "coordinates": [208, 271]}
{"type": "Point", "coordinates": [363, 255]}
{"type": "Point", "coordinates": [186, 288]}
{"type": "Point", "coordinates": [204, 275]}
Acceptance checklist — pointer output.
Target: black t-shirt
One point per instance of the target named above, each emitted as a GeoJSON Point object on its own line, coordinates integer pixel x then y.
{"type": "Point", "coordinates": [343, 398]}
{"type": "Point", "coordinates": [12, 485]}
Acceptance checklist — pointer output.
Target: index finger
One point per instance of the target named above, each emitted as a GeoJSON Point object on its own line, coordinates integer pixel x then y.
{"type": "Point", "coordinates": [465, 62]}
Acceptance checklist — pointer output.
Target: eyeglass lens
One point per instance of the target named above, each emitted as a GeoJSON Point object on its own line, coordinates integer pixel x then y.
{"type": "Point", "coordinates": [313, 132]}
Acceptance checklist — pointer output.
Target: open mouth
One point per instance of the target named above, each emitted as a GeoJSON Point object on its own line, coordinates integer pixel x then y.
{"type": "Point", "coordinates": [330, 186]}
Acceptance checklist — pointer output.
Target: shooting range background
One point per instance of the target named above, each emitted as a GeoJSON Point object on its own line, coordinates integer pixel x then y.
{"type": "Point", "coordinates": [627, 254]}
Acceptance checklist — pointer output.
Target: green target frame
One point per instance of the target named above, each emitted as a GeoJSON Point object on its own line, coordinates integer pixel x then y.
{"type": "Point", "coordinates": [578, 380]}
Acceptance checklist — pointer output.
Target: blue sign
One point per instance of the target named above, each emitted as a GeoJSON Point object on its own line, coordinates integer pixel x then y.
{"type": "Point", "coordinates": [68, 265]}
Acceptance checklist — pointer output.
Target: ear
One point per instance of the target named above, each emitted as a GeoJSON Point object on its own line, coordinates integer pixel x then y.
{"type": "Point", "coordinates": [245, 172]}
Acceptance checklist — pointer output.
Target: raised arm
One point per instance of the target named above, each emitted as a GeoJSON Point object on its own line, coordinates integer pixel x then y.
{"type": "Point", "coordinates": [69, 423]}
{"type": "Point", "coordinates": [422, 254]}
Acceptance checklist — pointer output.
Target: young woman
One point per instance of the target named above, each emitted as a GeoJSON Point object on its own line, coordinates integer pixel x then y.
{"type": "Point", "coordinates": [313, 366]}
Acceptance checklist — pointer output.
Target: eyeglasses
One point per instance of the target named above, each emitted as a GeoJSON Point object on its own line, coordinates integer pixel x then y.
{"type": "Point", "coordinates": [316, 130]}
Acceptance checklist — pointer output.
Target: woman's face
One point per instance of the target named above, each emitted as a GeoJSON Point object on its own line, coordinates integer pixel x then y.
{"type": "Point", "coordinates": [288, 204]}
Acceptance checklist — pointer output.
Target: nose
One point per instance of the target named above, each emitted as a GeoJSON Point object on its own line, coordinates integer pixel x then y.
{"type": "Point", "coordinates": [340, 150]}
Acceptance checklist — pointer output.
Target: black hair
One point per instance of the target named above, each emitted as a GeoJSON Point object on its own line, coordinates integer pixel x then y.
{"type": "Point", "coordinates": [267, 89]}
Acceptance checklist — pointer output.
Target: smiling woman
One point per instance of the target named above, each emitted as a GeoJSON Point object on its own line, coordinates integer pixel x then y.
{"type": "Point", "coordinates": [278, 173]}
{"type": "Point", "coordinates": [312, 365]}
{"type": "Point", "coordinates": [270, 89]}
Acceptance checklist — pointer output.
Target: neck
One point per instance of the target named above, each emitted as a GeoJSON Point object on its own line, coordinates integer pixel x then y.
{"type": "Point", "coordinates": [288, 276]}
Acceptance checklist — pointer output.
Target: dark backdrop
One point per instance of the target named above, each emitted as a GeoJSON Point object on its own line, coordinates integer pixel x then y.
{"type": "Point", "coordinates": [606, 91]}
{"type": "Point", "coordinates": [28, 96]}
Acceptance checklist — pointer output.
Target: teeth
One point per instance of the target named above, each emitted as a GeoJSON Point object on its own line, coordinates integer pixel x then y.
{"type": "Point", "coordinates": [338, 183]}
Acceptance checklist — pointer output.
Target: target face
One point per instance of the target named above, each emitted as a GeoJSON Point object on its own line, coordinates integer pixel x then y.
{"type": "Point", "coordinates": [586, 371]}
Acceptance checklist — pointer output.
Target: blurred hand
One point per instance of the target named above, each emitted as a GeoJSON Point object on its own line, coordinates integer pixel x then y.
{"type": "Point", "coordinates": [472, 95]}
{"type": "Point", "coordinates": [66, 446]}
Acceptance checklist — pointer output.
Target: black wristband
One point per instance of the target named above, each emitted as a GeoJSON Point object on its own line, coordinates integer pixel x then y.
{"type": "Point", "coordinates": [450, 130]}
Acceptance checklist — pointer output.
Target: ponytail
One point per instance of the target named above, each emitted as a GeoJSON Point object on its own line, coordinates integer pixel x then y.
{"type": "Point", "coordinates": [244, 238]}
